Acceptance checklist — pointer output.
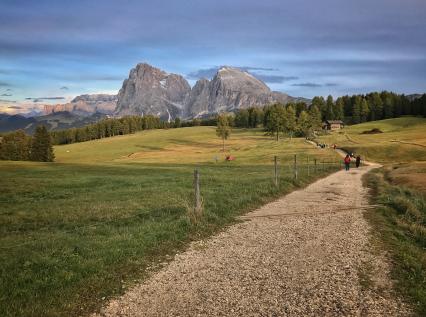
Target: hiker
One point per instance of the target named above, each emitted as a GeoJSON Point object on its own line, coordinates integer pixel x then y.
{"type": "Point", "coordinates": [358, 161]}
{"type": "Point", "coordinates": [347, 161]}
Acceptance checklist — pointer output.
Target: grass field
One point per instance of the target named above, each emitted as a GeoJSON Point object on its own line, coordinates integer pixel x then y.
{"type": "Point", "coordinates": [403, 140]}
{"type": "Point", "coordinates": [87, 226]}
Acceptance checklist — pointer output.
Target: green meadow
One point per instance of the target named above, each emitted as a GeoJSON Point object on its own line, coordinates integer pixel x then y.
{"type": "Point", "coordinates": [86, 227]}
{"type": "Point", "coordinates": [403, 140]}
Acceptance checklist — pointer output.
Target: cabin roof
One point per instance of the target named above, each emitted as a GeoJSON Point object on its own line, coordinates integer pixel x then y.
{"type": "Point", "coordinates": [334, 121]}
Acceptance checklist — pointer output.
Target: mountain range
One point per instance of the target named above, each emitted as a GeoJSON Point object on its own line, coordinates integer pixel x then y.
{"type": "Point", "coordinates": [86, 105]}
{"type": "Point", "coordinates": [152, 91]}
{"type": "Point", "coordinates": [53, 121]}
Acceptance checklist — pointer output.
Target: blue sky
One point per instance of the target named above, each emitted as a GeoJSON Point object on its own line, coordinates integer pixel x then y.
{"type": "Point", "coordinates": [51, 51]}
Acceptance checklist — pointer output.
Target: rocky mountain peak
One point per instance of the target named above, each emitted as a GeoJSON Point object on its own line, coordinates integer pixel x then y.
{"type": "Point", "coordinates": [150, 90]}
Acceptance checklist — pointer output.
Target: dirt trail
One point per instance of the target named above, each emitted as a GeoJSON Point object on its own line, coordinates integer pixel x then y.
{"type": "Point", "coordinates": [307, 254]}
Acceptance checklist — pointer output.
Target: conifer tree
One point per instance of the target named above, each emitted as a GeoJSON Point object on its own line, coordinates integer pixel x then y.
{"type": "Point", "coordinates": [275, 120]}
{"type": "Point", "coordinates": [290, 120]}
{"type": "Point", "coordinates": [315, 117]}
{"type": "Point", "coordinates": [41, 146]}
{"type": "Point", "coordinates": [329, 114]}
{"type": "Point", "coordinates": [356, 110]}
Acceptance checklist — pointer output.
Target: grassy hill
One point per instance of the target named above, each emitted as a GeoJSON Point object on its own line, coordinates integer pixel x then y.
{"type": "Point", "coordinates": [88, 225]}
{"type": "Point", "coordinates": [402, 140]}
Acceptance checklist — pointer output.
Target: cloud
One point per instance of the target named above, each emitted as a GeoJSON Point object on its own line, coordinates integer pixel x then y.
{"type": "Point", "coordinates": [40, 99]}
{"type": "Point", "coordinates": [267, 78]}
{"type": "Point", "coordinates": [6, 95]}
{"type": "Point", "coordinates": [203, 73]}
{"type": "Point", "coordinates": [274, 78]}
{"type": "Point", "coordinates": [249, 68]}
{"type": "Point", "coordinates": [310, 85]}
{"type": "Point", "coordinates": [314, 85]}
{"type": "Point", "coordinates": [4, 84]}
{"type": "Point", "coordinates": [15, 107]}
{"type": "Point", "coordinates": [8, 89]}
{"type": "Point", "coordinates": [7, 101]}
{"type": "Point", "coordinates": [64, 88]}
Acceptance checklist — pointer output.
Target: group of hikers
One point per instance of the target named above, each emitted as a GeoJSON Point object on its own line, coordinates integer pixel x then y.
{"type": "Point", "coordinates": [347, 161]}
{"type": "Point", "coordinates": [348, 158]}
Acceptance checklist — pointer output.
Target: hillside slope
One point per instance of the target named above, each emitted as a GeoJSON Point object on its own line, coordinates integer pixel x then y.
{"type": "Point", "coordinates": [402, 140]}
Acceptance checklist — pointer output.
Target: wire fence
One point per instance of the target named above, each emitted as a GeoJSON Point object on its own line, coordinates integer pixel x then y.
{"type": "Point", "coordinates": [281, 170]}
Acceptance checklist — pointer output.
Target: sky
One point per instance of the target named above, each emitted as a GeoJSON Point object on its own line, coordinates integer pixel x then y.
{"type": "Point", "coordinates": [52, 51]}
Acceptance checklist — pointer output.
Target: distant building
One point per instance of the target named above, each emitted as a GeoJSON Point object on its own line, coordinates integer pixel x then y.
{"type": "Point", "coordinates": [333, 125]}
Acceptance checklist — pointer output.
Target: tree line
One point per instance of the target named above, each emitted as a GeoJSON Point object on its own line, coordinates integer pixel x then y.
{"type": "Point", "coordinates": [121, 126]}
{"type": "Point", "coordinates": [370, 107]}
{"type": "Point", "coordinates": [18, 146]}
{"type": "Point", "coordinates": [350, 109]}
{"type": "Point", "coordinates": [294, 119]}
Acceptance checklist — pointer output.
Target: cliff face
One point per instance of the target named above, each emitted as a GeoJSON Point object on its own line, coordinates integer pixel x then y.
{"type": "Point", "coordinates": [86, 105]}
{"type": "Point", "coordinates": [149, 90]}
{"type": "Point", "coordinates": [229, 90]}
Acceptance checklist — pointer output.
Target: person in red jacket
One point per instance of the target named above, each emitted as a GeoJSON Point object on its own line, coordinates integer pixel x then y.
{"type": "Point", "coordinates": [347, 161]}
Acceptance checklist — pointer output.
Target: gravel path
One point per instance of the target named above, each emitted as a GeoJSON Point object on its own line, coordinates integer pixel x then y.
{"type": "Point", "coordinates": [307, 254]}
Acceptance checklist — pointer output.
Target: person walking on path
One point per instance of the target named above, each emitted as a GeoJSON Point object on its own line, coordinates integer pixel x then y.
{"type": "Point", "coordinates": [358, 161]}
{"type": "Point", "coordinates": [347, 161]}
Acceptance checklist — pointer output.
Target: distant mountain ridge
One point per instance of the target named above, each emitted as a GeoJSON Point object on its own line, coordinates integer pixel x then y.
{"type": "Point", "coordinates": [150, 90]}
{"type": "Point", "coordinates": [86, 105]}
{"type": "Point", "coordinates": [53, 121]}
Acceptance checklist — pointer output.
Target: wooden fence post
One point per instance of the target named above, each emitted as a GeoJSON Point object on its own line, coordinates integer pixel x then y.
{"type": "Point", "coordinates": [315, 168]}
{"type": "Point", "coordinates": [307, 164]}
{"type": "Point", "coordinates": [197, 191]}
{"type": "Point", "coordinates": [295, 166]}
{"type": "Point", "coordinates": [275, 171]}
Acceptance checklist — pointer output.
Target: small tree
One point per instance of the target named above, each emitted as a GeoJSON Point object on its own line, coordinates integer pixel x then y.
{"type": "Point", "coordinates": [275, 120]}
{"type": "Point", "coordinates": [290, 124]}
{"type": "Point", "coordinates": [41, 146]}
{"type": "Point", "coordinates": [223, 130]}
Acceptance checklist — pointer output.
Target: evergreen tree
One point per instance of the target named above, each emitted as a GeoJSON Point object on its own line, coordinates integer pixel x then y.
{"type": "Point", "coordinates": [242, 118]}
{"type": "Point", "coordinates": [177, 123]}
{"type": "Point", "coordinates": [364, 110]}
{"type": "Point", "coordinates": [315, 118]}
{"type": "Point", "coordinates": [275, 120]}
{"type": "Point", "coordinates": [329, 114]}
{"type": "Point", "coordinates": [290, 123]}
{"type": "Point", "coordinates": [15, 146]}
{"type": "Point", "coordinates": [376, 106]}
{"type": "Point", "coordinates": [319, 102]}
{"type": "Point", "coordinates": [304, 124]}
{"type": "Point", "coordinates": [300, 106]}
{"type": "Point", "coordinates": [338, 109]}
{"type": "Point", "coordinates": [41, 146]}
{"type": "Point", "coordinates": [356, 110]}
{"type": "Point", "coordinates": [388, 106]}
